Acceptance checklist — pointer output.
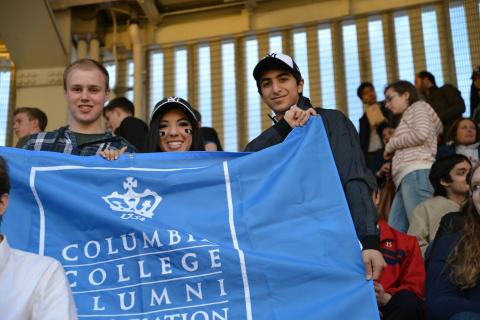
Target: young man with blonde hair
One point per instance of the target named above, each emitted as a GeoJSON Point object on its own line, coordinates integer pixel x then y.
{"type": "Point", "coordinates": [85, 84]}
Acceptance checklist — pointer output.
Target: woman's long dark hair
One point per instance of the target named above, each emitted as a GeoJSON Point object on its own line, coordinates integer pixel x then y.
{"type": "Point", "coordinates": [153, 137]}
{"type": "Point", "coordinates": [464, 259]}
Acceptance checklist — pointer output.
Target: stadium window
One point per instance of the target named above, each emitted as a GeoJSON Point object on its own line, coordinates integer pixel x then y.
{"type": "Point", "coordinates": [156, 78]}
{"type": "Point", "coordinates": [327, 76]}
{"type": "Point", "coordinates": [181, 73]}
{"type": "Point", "coordinates": [130, 80]}
{"type": "Point", "coordinates": [431, 43]}
{"type": "Point", "coordinates": [204, 84]}
{"type": "Point", "coordinates": [404, 46]}
{"type": "Point", "coordinates": [275, 43]}
{"type": "Point", "coordinates": [300, 56]}
{"type": "Point", "coordinates": [4, 98]}
{"type": "Point", "coordinates": [461, 50]}
{"type": "Point", "coordinates": [229, 96]}
{"type": "Point", "coordinates": [112, 74]}
{"type": "Point", "coordinates": [253, 98]}
{"type": "Point", "coordinates": [377, 53]}
{"type": "Point", "coordinates": [352, 71]}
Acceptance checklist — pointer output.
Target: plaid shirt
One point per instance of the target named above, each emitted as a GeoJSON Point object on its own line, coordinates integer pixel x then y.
{"type": "Point", "coordinates": [63, 140]}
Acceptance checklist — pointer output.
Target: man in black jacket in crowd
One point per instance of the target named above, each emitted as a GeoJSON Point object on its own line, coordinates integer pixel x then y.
{"type": "Point", "coordinates": [375, 114]}
{"type": "Point", "coordinates": [119, 118]}
{"type": "Point", "coordinates": [446, 100]}
{"type": "Point", "coordinates": [280, 85]}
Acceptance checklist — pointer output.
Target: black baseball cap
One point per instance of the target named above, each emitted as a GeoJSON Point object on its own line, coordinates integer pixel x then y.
{"type": "Point", "coordinates": [275, 61]}
{"type": "Point", "coordinates": [172, 102]}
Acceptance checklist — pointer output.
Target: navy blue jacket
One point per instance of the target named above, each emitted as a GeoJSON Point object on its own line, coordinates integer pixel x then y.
{"type": "Point", "coordinates": [443, 298]}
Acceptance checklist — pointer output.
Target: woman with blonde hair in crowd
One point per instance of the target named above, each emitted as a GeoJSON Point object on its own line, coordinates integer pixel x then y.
{"type": "Point", "coordinates": [453, 274]}
{"type": "Point", "coordinates": [412, 149]}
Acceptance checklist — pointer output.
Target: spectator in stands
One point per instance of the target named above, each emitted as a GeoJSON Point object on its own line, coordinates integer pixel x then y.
{"type": "Point", "coordinates": [453, 274]}
{"type": "Point", "coordinates": [384, 174]}
{"type": "Point", "coordinates": [412, 149]}
{"type": "Point", "coordinates": [280, 84]}
{"type": "Point", "coordinates": [173, 127]}
{"type": "Point", "coordinates": [31, 286]}
{"type": "Point", "coordinates": [448, 177]}
{"type": "Point", "coordinates": [119, 117]}
{"type": "Point", "coordinates": [463, 138]}
{"type": "Point", "coordinates": [85, 83]}
{"type": "Point", "coordinates": [446, 100]}
{"type": "Point", "coordinates": [475, 94]}
{"type": "Point", "coordinates": [374, 114]}
{"type": "Point", "coordinates": [210, 138]}
{"type": "Point", "coordinates": [209, 135]}
{"type": "Point", "coordinates": [27, 121]}
{"type": "Point", "coordinates": [400, 288]}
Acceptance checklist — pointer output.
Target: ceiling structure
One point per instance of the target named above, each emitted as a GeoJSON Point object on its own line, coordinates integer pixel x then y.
{"type": "Point", "coordinates": [98, 17]}
{"type": "Point", "coordinates": [151, 11]}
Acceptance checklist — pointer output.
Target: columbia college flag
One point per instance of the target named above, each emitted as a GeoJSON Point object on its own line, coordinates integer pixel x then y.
{"type": "Point", "coordinates": [195, 236]}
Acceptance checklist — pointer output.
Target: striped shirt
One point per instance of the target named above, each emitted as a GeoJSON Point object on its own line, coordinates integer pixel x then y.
{"type": "Point", "coordinates": [63, 140]}
{"type": "Point", "coordinates": [414, 141]}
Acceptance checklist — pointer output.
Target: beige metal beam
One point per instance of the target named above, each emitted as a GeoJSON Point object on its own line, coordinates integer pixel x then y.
{"type": "Point", "coordinates": [63, 4]}
{"type": "Point", "coordinates": [151, 11]}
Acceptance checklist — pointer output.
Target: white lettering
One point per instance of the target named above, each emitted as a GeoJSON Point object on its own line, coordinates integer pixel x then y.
{"type": "Point", "coordinates": [103, 276]}
{"type": "Point", "coordinates": [110, 246]}
{"type": "Point", "coordinates": [222, 288]}
{"type": "Point", "coordinates": [215, 258]}
{"type": "Point", "coordinates": [174, 237]}
{"type": "Point", "coordinates": [215, 315]}
{"type": "Point", "coordinates": [166, 267]}
{"type": "Point", "coordinates": [96, 244]}
{"type": "Point", "coordinates": [67, 257]}
{"type": "Point", "coordinates": [158, 300]}
{"type": "Point", "coordinates": [125, 244]}
{"type": "Point", "coordinates": [74, 273]}
{"type": "Point", "coordinates": [96, 307]}
{"type": "Point", "coordinates": [150, 242]}
{"type": "Point", "coordinates": [197, 293]}
{"type": "Point", "coordinates": [122, 300]}
{"type": "Point", "coordinates": [121, 277]}
{"type": "Point", "coordinates": [142, 271]}
{"type": "Point", "coordinates": [194, 264]}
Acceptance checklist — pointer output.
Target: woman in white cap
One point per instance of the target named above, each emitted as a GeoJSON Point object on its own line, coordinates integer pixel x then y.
{"type": "Point", "coordinates": [173, 127]}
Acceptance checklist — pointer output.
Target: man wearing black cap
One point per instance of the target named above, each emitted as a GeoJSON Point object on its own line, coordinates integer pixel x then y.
{"type": "Point", "coordinates": [280, 85]}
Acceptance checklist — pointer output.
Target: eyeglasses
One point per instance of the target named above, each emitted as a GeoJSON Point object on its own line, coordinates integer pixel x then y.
{"type": "Point", "coordinates": [389, 98]}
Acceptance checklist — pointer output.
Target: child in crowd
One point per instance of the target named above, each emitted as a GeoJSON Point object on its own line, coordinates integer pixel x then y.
{"type": "Point", "coordinates": [412, 149]}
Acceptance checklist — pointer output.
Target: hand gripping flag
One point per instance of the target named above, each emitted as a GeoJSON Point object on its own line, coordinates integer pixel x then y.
{"type": "Point", "coordinates": [196, 235]}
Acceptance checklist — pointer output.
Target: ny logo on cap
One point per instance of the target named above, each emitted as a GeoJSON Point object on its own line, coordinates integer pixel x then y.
{"type": "Point", "coordinates": [173, 99]}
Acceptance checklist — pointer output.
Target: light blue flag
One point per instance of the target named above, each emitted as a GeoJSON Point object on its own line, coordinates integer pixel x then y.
{"type": "Point", "coordinates": [196, 235]}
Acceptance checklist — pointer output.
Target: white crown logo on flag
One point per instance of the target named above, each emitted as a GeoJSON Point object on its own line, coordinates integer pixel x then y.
{"type": "Point", "coordinates": [135, 205]}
